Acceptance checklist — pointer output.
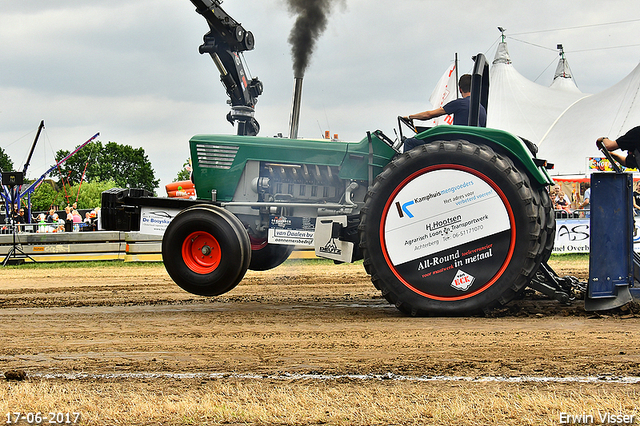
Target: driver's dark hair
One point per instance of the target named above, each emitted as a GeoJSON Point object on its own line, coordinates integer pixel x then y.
{"type": "Point", "coordinates": [465, 83]}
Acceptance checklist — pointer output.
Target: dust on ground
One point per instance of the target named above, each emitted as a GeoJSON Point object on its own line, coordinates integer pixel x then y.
{"type": "Point", "coordinates": [301, 318]}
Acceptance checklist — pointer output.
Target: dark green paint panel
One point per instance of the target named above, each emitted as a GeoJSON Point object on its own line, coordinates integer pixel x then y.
{"type": "Point", "coordinates": [352, 158]}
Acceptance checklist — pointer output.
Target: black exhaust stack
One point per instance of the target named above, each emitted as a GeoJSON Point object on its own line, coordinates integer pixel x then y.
{"type": "Point", "coordinates": [295, 108]}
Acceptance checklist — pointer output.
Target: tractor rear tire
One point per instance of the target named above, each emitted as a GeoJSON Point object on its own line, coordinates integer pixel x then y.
{"type": "Point", "coordinates": [549, 224]}
{"type": "Point", "coordinates": [450, 228]}
{"type": "Point", "coordinates": [206, 250]}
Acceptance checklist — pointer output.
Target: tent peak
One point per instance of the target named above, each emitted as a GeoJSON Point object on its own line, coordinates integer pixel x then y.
{"type": "Point", "coordinates": [562, 70]}
{"type": "Point", "coordinates": [502, 54]}
{"type": "Point", "coordinates": [563, 79]}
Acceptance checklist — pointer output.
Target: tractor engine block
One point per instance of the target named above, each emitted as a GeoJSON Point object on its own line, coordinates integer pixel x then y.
{"type": "Point", "coordinates": [299, 182]}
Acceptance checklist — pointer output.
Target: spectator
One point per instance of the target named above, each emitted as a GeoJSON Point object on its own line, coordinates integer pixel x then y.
{"type": "Point", "coordinates": [94, 218]}
{"type": "Point", "coordinates": [18, 219]}
{"type": "Point", "coordinates": [97, 223]}
{"type": "Point", "coordinates": [50, 216]}
{"type": "Point", "coordinates": [586, 201]}
{"type": "Point", "coordinates": [561, 202]}
{"type": "Point", "coordinates": [87, 224]}
{"type": "Point", "coordinates": [42, 223]}
{"type": "Point", "coordinates": [68, 223]}
{"type": "Point", "coordinates": [58, 223]}
{"type": "Point", "coordinates": [77, 220]}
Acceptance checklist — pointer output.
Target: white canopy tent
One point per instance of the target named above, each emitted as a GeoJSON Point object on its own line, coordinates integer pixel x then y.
{"type": "Point", "coordinates": [560, 119]}
{"type": "Point", "coordinates": [522, 107]}
{"type": "Point", "coordinates": [562, 79]}
{"type": "Point", "coordinates": [612, 112]}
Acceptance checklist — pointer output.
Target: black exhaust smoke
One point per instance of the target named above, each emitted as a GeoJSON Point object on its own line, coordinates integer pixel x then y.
{"type": "Point", "coordinates": [310, 24]}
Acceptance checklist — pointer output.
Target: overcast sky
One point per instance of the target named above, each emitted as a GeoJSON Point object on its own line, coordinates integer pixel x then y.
{"type": "Point", "coordinates": [131, 69]}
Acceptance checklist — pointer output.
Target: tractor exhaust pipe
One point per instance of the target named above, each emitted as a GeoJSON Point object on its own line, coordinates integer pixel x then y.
{"type": "Point", "coordinates": [295, 108]}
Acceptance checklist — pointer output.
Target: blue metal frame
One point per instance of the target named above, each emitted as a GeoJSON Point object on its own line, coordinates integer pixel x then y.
{"type": "Point", "coordinates": [611, 258]}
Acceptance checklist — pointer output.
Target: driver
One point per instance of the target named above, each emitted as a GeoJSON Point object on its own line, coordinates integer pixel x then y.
{"type": "Point", "coordinates": [458, 107]}
{"type": "Point", "coordinates": [629, 142]}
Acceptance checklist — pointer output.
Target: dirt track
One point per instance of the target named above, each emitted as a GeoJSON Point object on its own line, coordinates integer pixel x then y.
{"type": "Point", "coordinates": [296, 319]}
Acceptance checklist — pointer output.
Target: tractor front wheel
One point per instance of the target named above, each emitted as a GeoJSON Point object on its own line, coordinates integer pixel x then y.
{"type": "Point", "coordinates": [206, 250]}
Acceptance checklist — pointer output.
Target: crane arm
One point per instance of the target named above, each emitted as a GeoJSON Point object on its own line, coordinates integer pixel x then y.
{"type": "Point", "coordinates": [224, 42]}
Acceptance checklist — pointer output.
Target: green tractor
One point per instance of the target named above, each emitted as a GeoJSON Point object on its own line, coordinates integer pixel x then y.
{"type": "Point", "coordinates": [457, 225]}
{"type": "Point", "coordinates": [454, 226]}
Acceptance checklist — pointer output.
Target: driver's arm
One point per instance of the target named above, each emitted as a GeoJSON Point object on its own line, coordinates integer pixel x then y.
{"type": "Point", "coordinates": [427, 115]}
{"type": "Point", "coordinates": [622, 159]}
{"type": "Point", "coordinates": [609, 144]}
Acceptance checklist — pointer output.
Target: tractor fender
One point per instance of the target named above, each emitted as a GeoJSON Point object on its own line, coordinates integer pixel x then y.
{"type": "Point", "coordinates": [501, 141]}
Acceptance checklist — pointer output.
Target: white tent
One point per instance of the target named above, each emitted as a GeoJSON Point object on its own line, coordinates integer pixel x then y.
{"type": "Point", "coordinates": [612, 112]}
{"type": "Point", "coordinates": [522, 107]}
{"type": "Point", "coordinates": [560, 119]}
{"type": "Point", "coordinates": [562, 79]}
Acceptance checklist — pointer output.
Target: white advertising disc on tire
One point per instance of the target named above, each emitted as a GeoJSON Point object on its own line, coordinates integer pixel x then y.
{"type": "Point", "coordinates": [447, 232]}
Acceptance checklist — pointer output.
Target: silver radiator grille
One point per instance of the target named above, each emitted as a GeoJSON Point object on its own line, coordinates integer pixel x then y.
{"type": "Point", "coordinates": [216, 156]}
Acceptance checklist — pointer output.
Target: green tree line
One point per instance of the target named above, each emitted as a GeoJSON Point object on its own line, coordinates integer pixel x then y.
{"type": "Point", "coordinates": [128, 167]}
{"type": "Point", "coordinates": [6, 165]}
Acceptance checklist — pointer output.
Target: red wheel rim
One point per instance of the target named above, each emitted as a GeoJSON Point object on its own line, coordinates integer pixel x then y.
{"type": "Point", "coordinates": [201, 252]}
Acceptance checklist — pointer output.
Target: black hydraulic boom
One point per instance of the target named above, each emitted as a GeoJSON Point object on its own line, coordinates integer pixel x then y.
{"type": "Point", "coordinates": [225, 41]}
